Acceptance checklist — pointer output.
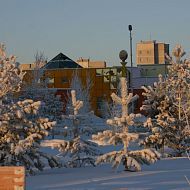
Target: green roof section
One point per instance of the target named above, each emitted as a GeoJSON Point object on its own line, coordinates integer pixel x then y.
{"type": "Point", "coordinates": [61, 61]}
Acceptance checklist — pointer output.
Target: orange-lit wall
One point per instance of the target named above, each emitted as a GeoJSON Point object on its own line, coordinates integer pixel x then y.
{"type": "Point", "coordinates": [62, 81]}
{"type": "Point", "coordinates": [100, 91]}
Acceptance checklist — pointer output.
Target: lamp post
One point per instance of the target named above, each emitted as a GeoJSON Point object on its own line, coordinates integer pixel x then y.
{"type": "Point", "coordinates": [130, 29]}
{"type": "Point", "coordinates": [131, 56]}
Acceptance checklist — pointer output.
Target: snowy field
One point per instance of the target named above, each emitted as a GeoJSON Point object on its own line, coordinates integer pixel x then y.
{"type": "Point", "coordinates": [163, 175]}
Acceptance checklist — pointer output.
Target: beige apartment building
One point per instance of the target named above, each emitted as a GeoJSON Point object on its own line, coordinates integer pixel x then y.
{"type": "Point", "coordinates": [151, 52]}
{"type": "Point", "coordinates": [87, 63]}
{"type": "Point", "coordinates": [29, 66]}
{"type": "Point", "coordinates": [84, 63]}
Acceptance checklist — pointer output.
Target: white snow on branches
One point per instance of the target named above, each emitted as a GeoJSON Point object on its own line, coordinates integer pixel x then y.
{"type": "Point", "coordinates": [131, 160]}
{"type": "Point", "coordinates": [167, 106]}
{"type": "Point", "coordinates": [21, 126]}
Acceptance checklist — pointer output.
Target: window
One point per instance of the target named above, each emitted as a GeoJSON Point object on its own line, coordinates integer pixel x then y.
{"type": "Point", "coordinates": [140, 52]}
{"type": "Point", "coordinates": [98, 72]}
{"type": "Point", "coordinates": [108, 73]}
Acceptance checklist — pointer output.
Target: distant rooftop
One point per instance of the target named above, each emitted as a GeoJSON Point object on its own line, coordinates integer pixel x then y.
{"type": "Point", "coordinates": [87, 63]}
{"type": "Point", "coordinates": [148, 41]}
{"type": "Point", "coordinates": [61, 61]}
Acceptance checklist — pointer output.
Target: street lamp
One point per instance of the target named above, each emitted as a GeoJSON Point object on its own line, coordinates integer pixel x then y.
{"type": "Point", "coordinates": [131, 56]}
{"type": "Point", "coordinates": [131, 82]}
{"type": "Point", "coordinates": [130, 29]}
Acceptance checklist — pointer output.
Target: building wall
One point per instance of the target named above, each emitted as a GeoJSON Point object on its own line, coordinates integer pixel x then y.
{"type": "Point", "coordinates": [145, 53]}
{"type": "Point", "coordinates": [87, 63]}
{"type": "Point", "coordinates": [151, 52]}
{"type": "Point", "coordinates": [26, 66]}
{"type": "Point", "coordinates": [161, 53]}
{"type": "Point", "coordinates": [30, 66]}
{"type": "Point", "coordinates": [104, 83]}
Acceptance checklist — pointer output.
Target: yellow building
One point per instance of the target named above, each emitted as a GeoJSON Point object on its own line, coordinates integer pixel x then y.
{"type": "Point", "coordinates": [59, 72]}
{"type": "Point", "coordinates": [151, 52]}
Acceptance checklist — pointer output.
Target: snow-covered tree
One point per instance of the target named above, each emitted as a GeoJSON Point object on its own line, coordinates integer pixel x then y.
{"type": "Point", "coordinates": [38, 90]}
{"type": "Point", "coordinates": [154, 95]}
{"type": "Point", "coordinates": [21, 128]}
{"type": "Point", "coordinates": [168, 106]}
{"type": "Point", "coordinates": [110, 109]}
{"type": "Point", "coordinates": [78, 150]}
{"type": "Point", "coordinates": [52, 106]}
{"type": "Point", "coordinates": [10, 75]}
{"type": "Point", "coordinates": [82, 92]}
{"type": "Point", "coordinates": [131, 160]}
{"type": "Point", "coordinates": [38, 70]}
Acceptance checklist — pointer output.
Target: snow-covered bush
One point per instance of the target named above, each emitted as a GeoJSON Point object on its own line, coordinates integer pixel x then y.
{"type": "Point", "coordinates": [21, 128]}
{"type": "Point", "coordinates": [168, 107]}
{"type": "Point", "coordinates": [77, 150]}
{"type": "Point", "coordinates": [131, 160]}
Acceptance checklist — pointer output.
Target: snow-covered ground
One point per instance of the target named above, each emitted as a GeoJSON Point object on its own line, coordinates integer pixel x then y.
{"type": "Point", "coordinates": [164, 175]}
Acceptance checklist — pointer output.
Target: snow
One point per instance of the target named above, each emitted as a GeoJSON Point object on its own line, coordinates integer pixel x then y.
{"type": "Point", "coordinates": [131, 160]}
{"type": "Point", "coordinates": [23, 128]}
{"type": "Point", "coordinates": [167, 106]}
{"type": "Point", "coordinates": [164, 175]}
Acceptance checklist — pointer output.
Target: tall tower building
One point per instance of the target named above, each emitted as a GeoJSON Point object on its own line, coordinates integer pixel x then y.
{"type": "Point", "coordinates": [151, 52]}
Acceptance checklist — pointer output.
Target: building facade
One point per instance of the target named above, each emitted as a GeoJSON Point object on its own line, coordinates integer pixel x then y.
{"type": "Point", "coordinates": [151, 52]}
{"type": "Point", "coordinates": [59, 72]}
{"type": "Point", "coordinates": [87, 63]}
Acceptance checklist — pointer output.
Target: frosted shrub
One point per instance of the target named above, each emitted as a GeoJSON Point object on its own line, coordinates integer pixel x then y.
{"type": "Point", "coordinates": [79, 151]}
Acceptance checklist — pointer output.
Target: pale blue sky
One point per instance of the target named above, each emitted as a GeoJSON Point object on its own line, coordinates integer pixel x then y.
{"type": "Point", "coordinates": [90, 28]}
